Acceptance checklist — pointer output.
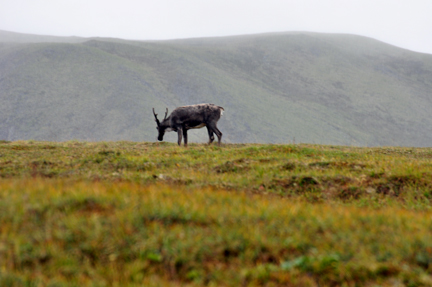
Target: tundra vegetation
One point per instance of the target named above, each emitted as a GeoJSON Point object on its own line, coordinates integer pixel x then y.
{"type": "Point", "coordinates": [153, 214]}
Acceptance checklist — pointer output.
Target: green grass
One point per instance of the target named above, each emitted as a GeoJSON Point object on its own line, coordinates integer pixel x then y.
{"type": "Point", "coordinates": [320, 172]}
{"type": "Point", "coordinates": [154, 214]}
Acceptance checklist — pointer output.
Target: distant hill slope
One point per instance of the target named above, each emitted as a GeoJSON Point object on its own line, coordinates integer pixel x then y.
{"type": "Point", "coordinates": [275, 88]}
{"type": "Point", "coordinates": [12, 37]}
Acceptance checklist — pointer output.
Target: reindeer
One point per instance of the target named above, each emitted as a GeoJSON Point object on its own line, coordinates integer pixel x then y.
{"type": "Point", "coordinates": [191, 117]}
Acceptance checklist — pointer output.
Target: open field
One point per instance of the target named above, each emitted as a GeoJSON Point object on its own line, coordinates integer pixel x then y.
{"type": "Point", "coordinates": [153, 214]}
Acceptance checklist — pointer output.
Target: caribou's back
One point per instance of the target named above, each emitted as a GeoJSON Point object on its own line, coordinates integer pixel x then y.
{"type": "Point", "coordinates": [201, 113]}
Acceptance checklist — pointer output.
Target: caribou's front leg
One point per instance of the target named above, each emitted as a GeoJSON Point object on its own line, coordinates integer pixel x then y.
{"type": "Point", "coordinates": [179, 132]}
{"type": "Point", "coordinates": [211, 136]}
{"type": "Point", "coordinates": [185, 136]}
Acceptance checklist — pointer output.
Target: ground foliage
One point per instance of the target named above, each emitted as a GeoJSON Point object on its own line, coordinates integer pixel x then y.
{"type": "Point", "coordinates": [154, 214]}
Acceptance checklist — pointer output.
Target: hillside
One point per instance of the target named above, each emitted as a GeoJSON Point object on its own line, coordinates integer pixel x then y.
{"type": "Point", "coordinates": [12, 37]}
{"type": "Point", "coordinates": [275, 88]}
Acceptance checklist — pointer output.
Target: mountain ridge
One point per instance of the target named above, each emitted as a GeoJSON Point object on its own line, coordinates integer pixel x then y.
{"type": "Point", "coordinates": [275, 88]}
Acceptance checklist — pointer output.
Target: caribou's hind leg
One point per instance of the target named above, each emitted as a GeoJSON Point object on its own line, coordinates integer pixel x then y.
{"type": "Point", "coordinates": [185, 137]}
{"type": "Point", "coordinates": [214, 129]}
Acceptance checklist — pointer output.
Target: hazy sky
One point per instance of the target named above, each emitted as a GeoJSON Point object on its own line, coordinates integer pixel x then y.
{"type": "Point", "coordinates": [404, 23]}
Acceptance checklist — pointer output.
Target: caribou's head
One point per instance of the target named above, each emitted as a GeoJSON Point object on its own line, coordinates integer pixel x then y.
{"type": "Point", "coordinates": [161, 127]}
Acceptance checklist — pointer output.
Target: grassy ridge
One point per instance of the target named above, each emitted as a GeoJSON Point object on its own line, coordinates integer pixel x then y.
{"type": "Point", "coordinates": [134, 214]}
{"type": "Point", "coordinates": [331, 171]}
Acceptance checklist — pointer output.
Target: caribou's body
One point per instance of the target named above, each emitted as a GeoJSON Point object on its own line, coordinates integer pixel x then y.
{"type": "Point", "coordinates": [191, 117]}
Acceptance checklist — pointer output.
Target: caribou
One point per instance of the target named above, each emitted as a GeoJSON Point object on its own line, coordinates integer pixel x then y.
{"type": "Point", "coordinates": [185, 118]}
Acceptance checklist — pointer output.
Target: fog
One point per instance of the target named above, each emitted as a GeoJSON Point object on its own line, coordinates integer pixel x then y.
{"type": "Point", "coordinates": [406, 24]}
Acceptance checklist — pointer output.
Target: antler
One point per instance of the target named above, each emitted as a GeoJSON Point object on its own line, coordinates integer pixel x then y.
{"type": "Point", "coordinates": [157, 121]}
{"type": "Point", "coordinates": [166, 113]}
